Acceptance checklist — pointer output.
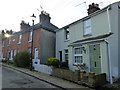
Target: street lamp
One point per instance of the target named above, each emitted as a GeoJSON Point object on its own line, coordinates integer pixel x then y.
{"type": "Point", "coordinates": [7, 36]}
{"type": "Point", "coordinates": [33, 19]}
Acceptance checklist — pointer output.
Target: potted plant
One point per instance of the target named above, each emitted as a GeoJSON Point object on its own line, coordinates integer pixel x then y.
{"type": "Point", "coordinates": [82, 67]}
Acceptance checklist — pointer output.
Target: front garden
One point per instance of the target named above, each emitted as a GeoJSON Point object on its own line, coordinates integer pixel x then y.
{"type": "Point", "coordinates": [79, 76]}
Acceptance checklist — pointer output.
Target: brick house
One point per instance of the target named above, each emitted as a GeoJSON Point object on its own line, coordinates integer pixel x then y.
{"type": "Point", "coordinates": [43, 40]}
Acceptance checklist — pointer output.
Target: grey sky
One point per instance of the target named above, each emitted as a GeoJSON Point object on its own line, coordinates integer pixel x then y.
{"type": "Point", "coordinates": [62, 12]}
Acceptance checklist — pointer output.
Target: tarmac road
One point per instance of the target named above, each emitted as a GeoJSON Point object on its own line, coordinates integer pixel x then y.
{"type": "Point", "coordinates": [16, 79]}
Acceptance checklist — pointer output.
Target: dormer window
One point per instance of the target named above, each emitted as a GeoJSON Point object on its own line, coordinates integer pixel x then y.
{"type": "Point", "coordinates": [87, 27]}
{"type": "Point", "coordinates": [67, 34]}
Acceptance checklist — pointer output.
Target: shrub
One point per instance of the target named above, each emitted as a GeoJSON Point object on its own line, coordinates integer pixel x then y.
{"type": "Point", "coordinates": [4, 61]}
{"type": "Point", "coordinates": [22, 59]}
{"type": "Point", "coordinates": [10, 62]}
{"type": "Point", "coordinates": [64, 65]}
{"type": "Point", "coordinates": [53, 62]}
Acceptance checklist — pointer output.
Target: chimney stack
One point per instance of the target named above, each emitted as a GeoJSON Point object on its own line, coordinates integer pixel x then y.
{"type": "Point", "coordinates": [24, 25]}
{"type": "Point", "coordinates": [92, 8]}
{"type": "Point", "coordinates": [44, 17]}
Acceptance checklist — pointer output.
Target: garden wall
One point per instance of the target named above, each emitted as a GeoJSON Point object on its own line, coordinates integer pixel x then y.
{"type": "Point", "coordinates": [66, 74]}
{"type": "Point", "coordinates": [90, 79]}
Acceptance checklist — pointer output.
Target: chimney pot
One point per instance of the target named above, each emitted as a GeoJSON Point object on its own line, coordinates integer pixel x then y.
{"type": "Point", "coordinates": [24, 25]}
{"type": "Point", "coordinates": [92, 8]}
{"type": "Point", "coordinates": [44, 17]}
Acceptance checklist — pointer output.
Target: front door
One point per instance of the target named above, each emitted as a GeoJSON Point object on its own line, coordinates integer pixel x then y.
{"type": "Point", "coordinates": [60, 55]}
{"type": "Point", "coordinates": [95, 58]}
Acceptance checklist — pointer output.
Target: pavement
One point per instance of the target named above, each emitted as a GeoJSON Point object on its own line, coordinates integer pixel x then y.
{"type": "Point", "coordinates": [61, 83]}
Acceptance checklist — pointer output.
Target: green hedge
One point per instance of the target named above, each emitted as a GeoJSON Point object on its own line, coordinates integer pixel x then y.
{"type": "Point", "coordinates": [22, 59]}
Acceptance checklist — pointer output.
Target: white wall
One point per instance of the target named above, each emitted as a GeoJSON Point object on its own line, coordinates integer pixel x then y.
{"type": "Point", "coordinates": [1, 47]}
{"type": "Point", "coordinates": [113, 40]}
{"type": "Point", "coordinates": [100, 26]}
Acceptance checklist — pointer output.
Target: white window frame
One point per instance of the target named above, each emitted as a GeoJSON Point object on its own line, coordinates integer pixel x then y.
{"type": "Point", "coordinates": [78, 55]}
{"type": "Point", "coordinates": [87, 27]}
{"type": "Point", "coordinates": [29, 50]}
{"type": "Point", "coordinates": [19, 39]}
{"type": "Point", "coordinates": [15, 52]}
{"type": "Point", "coordinates": [3, 43]}
{"type": "Point", "coordinates": [30, 36]}
{"type": "Point", "coordinates": [67, 35]}
{"type": "Point", "coordinates": [9, 40]}
{"type": "Point", "coordinates": [66, 53]}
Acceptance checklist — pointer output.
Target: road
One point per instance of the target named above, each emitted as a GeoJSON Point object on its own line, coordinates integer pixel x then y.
{"type": "Point", "coordinates": [16, 79]}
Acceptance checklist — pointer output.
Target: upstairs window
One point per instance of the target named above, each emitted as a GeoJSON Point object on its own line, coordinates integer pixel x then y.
{"type": "Point", "coordinates": [67, 34]}
{"type": "Point", "coordinates": [78, 56]}
{"type": "Point", "coordinates": [19, 39]}
{"type": "Point", "coordinates": [9, 40]}
{"type": "Point", "coordinates": [3, 43]}
{"type": "Point", "coordinates": [87, 27]}
{"type": "Point", "coordinates": [30, 36]}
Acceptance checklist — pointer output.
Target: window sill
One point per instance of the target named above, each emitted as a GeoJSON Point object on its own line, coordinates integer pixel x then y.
{"type": "Point", "coordinates": [77, 64]}
{"type": "Point", "coordinates": [30, 41]}
{"type": "Point", "coordinates": [18, 43]}
{"type": "Point", "coordinates": [87, 35]}
{"type": "Point", "coordinates": [66, 40]}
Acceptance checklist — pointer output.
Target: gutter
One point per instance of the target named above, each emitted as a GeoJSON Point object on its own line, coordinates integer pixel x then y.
{"type": "Point", "coordinates": [84, 42]}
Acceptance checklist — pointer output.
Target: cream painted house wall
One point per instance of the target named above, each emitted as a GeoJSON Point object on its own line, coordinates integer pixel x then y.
{"type": "Point", "coordinates": [100, 26]}
{"type": "Point", "coordinates": [0, 47]}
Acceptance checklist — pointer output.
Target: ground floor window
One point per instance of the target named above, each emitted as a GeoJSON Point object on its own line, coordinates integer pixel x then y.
{"type": "Point", "coordinates": [78, 56]}
{"type": "Point", "coordinates": [15, 52]}
{"type": "Point", "coordinates": [29, 50]}
{"type": "Point", "coordinates": [66, 55]}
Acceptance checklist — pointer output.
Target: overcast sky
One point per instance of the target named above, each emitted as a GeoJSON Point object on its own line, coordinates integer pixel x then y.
{"type": "Point", "coordinates": [62, 12]}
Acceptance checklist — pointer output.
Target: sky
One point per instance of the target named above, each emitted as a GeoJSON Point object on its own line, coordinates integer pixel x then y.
{"type": "Point", "coordinates": [62, 12]}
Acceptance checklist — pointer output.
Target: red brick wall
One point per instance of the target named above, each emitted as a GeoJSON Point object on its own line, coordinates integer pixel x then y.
{"type": "Point", "coordinates": [25, 44]}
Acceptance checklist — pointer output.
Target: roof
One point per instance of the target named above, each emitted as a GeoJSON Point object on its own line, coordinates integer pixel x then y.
{"type": "Point", "coordinates": [45, 25]}
{"type": "Point", "coordinates": [90, 15]}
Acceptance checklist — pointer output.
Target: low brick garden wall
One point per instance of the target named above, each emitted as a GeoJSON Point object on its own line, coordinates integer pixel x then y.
{"type": "Point", "coordinates": [95, 80]}
{"type": "Point", "coordinates": [90, 79]}
{"type": "Point", "coordinates": [66, 74]}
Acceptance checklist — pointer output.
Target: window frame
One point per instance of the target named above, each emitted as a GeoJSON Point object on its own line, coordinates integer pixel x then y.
{"type": "Point", "coordinates": [67, 33]}
{"type": "Point", "coordinates": [3, 43]}
{"type": "Point", "coordinates": [87, 30]}
{"type": "Point", "coordinates": [20, 39]}
{"type": "Point", "coordinates": [30, 36]}
{"type": "Point", "coordinates": [66, 54]}
{"type": "Point", "coordinates": [78, 55]}
{"type": "Point", "coordinates": [9, 40]}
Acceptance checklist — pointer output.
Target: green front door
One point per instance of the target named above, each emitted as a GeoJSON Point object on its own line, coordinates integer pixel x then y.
{"type": "Point", "coordinates": [95, 58]}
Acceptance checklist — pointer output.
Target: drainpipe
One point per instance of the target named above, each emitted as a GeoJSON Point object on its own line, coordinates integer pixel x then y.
{"type": "Point", "coordinates": [109, 51]}
{"type": "Point", "coordinates": [108, 16]}
{"type": "Point", "coordinates": [109, 62]}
